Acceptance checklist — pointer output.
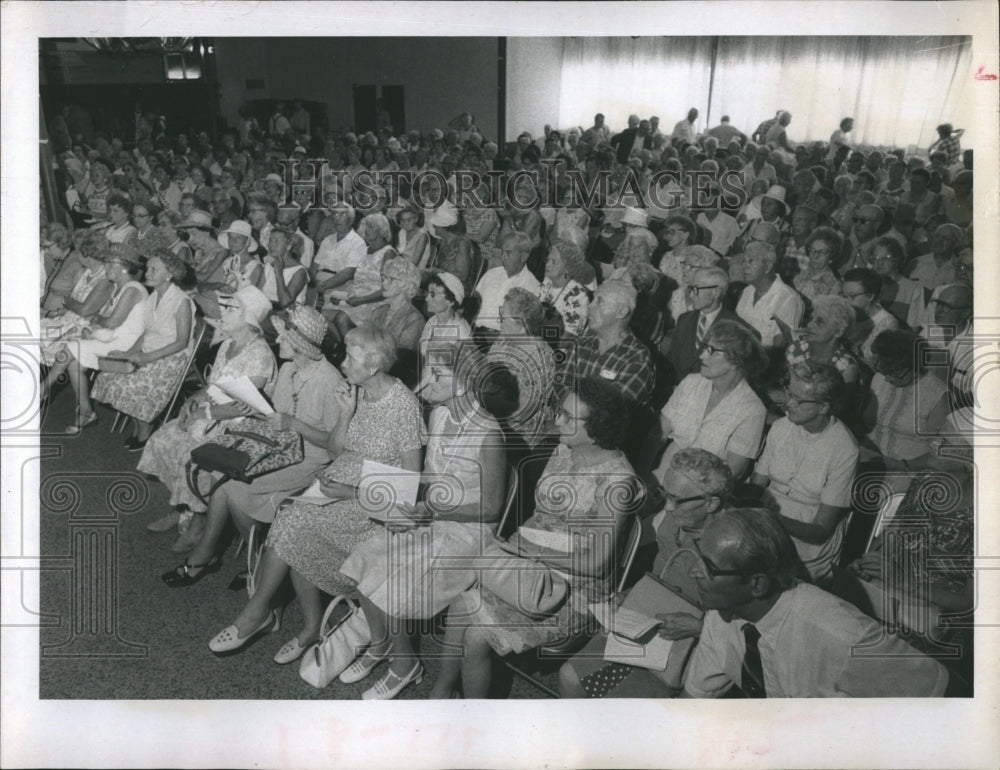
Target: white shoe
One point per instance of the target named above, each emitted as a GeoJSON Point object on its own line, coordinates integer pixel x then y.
{"type": "Point", "coordinates": [362, 667]}
{"type": "Point", "coordinates": [390, 685]}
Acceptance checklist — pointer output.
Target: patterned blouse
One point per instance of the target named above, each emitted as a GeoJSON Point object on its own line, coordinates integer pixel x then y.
{"type": "Point", "coordinates": [812, 285]}
{"type": "Point", "coordinates": [571, 300]}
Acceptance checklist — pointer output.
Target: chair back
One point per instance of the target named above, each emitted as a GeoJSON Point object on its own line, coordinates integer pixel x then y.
{"type": "Point", "coordinates": [503, 525]}
{"type": "Point", "coordinates": [629, 550]}
{"type": "Point", "coordinates": [196, 339]}
{"type": "Point", "coordinates": [884, 516]}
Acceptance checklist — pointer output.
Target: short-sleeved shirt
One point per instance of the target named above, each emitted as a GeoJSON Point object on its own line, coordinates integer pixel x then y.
{"type": "Point", "coordinates": [493, 287]}
{"type": "Point", "coordinates": [735, 424]}
{"type": "Point", "coordinates": [779, 300]}
{"type": "Point", "coordinates": [809, 642]}
{"type": "Point", "coordinates": [335, 255]}
{"type": "Point", "coordinates": [307, 393]}
{"type": "Point", "coordinates": [724, 230]}
{"type": "Point", "coordinates": [808, 470]}
{"type": "Point", "coordinates": [627, 365]}
{"type": "Point", "coordinates": [902, 430]}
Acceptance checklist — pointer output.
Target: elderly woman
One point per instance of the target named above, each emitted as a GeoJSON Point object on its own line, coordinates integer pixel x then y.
{"type": "Point", "coordinates": [699, 484]}
{"type": "Point", "coordinates": [593, 519]}
{"type": "Point", "coordinates": [715, 409]}
{"type": "Point", "coordinates": [446, 326]}
{"type": "Point", "coordinates": [414, 242]}
{"type": "Point", "coordinates": [404, 573]}
{"type": "Point", "coordinates": [120, 230]}
{"type": "Point", "coordinates": [521, 214]}
{"type": "Point", "coordinates": [283, 280]}
{"type": "Point", "coordinates": [908, 404]}
{"type": "Point", "coordinates": [678, 231]}
{"type": "Point", "coordinates": [380, 422]}
{"type": "Point", "coordinates": [400, 284]}
{"type": "Point", "coordinates": [817, 278]}
{"type": "Point", "coordinates": [453, 250]}
{"type": "Point", "coordinates": [804, 221]}
{"type": "Point", "coordinates": [241, 268]}
{"type": "Point", "coordinates": [118, 324]}
{"type": "Point", "coordinates": [304, 401]}
{"type": "Point", "coordinates": [360, 295]}
{"type": "Point", "coordinates": [482, 223]}
{"type": "Point", "coordinates": [243, 353]}
{"type": "Point", "coordinates": [887, 259]}
{"type": "Point", "coordinates": [822, 341]}
{"type": "Point", "coordinates": [566, 272]}
{"type": "Point", "coordinates": [65, 257]}
{"type": "Point", "coordinates": [158, 357]}
{"type": "Point", "coordinates": [91, 292]}
{"type": "Point", "coordinates": [521, 349]}
{"type": "Point", "coordinates": [148, 237]}
{"type": "Point", "coordinates": [808, 467]}
{"type": "Point", "coordinates": [167, 221]}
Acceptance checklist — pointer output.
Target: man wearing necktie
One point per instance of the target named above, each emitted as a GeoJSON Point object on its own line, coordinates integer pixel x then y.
{"type": "Point", "coordinates": [773, 636]}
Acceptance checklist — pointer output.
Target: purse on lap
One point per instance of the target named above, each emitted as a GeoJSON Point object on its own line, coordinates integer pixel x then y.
{"type": "Point", "coordinates": [340, 642]}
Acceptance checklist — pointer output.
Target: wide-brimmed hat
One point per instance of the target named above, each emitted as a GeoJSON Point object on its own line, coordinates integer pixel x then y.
{"type": "Point", "coordinates": [445, 216]}
{"type": "Point", "coordinates": [454, 285]}
{"type": "Point", "coordinates": [199, 219]}
{"type": "Point", "coordinates": [303, 332]}
{"type": "Point", "coordinates": [634, 216]}
{"type": "Point", "coordinates": [777, 193]}
{"type": "Point", "coordinates": [253, 304]}
{"type": "Point", "coordinates": [238, 227]}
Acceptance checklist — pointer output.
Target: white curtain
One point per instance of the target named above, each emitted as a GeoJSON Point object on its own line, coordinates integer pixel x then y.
{"type": "Point", "coordinates": [897, 89]}
{"type": "Point", "coordinates": [663, 76]}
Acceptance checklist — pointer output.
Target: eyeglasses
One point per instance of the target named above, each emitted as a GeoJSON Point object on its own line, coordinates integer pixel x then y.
{"type": "Point", "coordinates": [711, 571]}
{"type": "Point", "coordinates": [947, 306]}
{"type": "Point", "coordinates": [695, 290]}
{"type": "Point", "coordinates": [563, 414]}
{"type": "Point", "coordinates": [678, 501]}
{"type": "Point", "coordinates": [818, 252]}
{"type": "Point", "coordinates": [793, 401]}
{"type": "Point", "coordinates": [884, 259]}
{"type": "Point", "coordinates": [675, 230]}
{"type": "Point", "coordinates": [137, 215]}
{"type": "Point", "coordinates": [711, 349]}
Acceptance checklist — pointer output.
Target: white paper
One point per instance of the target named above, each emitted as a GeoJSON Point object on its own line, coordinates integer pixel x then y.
{"type": "Point", "coordinates": [383, 487]}
{"type": "Point", "coordinates": [243, 390]}
{"type": "Point", "coordinates": [218, 395]}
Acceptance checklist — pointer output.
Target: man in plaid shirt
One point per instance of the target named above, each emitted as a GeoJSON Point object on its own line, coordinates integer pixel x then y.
{"type": "Point", "coordinates": [947, 143]}
{"type": "Point", "coordinates": [607, 349]}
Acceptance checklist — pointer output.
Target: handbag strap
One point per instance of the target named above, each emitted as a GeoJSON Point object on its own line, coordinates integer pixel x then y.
{"type": "Point", "coordinates": [325, 632]}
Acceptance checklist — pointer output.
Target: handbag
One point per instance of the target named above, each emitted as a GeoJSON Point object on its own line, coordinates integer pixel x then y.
{"type": "Point", "coordinates": [527, 585]}
{"type": "Point", "coordinates": [115, 365]}
{"type": "Point", "coordinates": [243, 453]}
{"type": "Point", "coordinates": [340, 642]}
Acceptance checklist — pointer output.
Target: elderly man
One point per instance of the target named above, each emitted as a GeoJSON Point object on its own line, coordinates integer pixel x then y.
{"type": "Point", "coordinates": [759, 168]}
{"type": "Point", "coordinates": [775, 637]}
{"type": "Point", "coordinates": [953, 309]}
{"type": "Point", "coordinates": [608, 349]}
{"type": "Point", "coordinates": [339, 253]}
{"type": "Point", "coordinates": [765, 232]}
{"type": "Point", "coordinates": [767, 297]}
{"type": "Point", "coordinates": [684, 129]}
{"type": "Point", "coordinates": [632, 139]}
{"type": "Point", "coordinates": [303, 247]}
{"type": "Point", "coordinates": [938, 267]}
{"type": "Point", "coordinates": [705, 292]}
{"type": "Point", "coordinates": [495, 283]}
{"type": "Point", "coordinates": [725, 133]}
{"type": "Point", "coordinates": [698, 484]}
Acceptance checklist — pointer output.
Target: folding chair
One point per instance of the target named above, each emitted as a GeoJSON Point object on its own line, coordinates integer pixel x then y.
{"type": "Point", "coordinates": [563, 648]}
{"type": "Point", "coordinates": [508, 504]}
{"type": "Point", "coordinates": [884, 516]}
{"type": "Point", "coordinates": [121, 420]}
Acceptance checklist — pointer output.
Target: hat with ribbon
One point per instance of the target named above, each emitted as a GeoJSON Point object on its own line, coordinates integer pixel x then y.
{"type": "Point", "coordinates": [238, 227]}
{"type": "Point", "coordinates": [303, 331]}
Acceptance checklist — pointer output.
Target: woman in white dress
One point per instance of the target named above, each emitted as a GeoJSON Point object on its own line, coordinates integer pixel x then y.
{"type": "Point", "coordinates": [284, 280]}
{"type": "Point", "coordinates": [116, 327]}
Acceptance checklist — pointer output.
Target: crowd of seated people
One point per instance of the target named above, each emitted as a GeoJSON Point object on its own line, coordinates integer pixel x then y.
{"type": "Point", "coordinates": [737, 370]}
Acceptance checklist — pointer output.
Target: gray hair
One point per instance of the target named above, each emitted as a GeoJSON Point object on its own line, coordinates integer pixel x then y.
{"type": "Point", "coordinates": [379, 224]}
{"type": "Point", "coordinates": [528, 308]}
{"type": "Point", "coordinates": [518, 240]}
{"type": "Point", "coordinates": [576, 266]}
{"type": "Point", "coordinates": [621, 292]}
{"type": "Point", "coordinates": [406, 273]}
{"type": "Point", "coordinates": [717, 275]}
{"type": "Point", "coordinates": [712, 475]}
{"type": "Point", "coordinates": [836, 308]}
{"type": "Point", "coordinates": [823, 380]}
{"type": "Point", "coordinates": [377, 342]}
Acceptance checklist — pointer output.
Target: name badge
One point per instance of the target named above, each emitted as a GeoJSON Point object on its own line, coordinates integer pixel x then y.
{"type": "Point", "coordinates": [608, 374]}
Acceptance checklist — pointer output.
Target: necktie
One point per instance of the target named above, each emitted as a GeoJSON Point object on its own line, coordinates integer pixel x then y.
{"type": "Point", "coordinates": [702, 328]}
{"type": "Point", "coordinates": [752, 673]}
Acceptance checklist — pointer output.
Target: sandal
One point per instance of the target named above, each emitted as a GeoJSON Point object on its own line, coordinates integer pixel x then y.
{"type": "Point", "coordinates": [363, 666]}
{"type": "Point", "coordinates": [181, 577]}
{"type": "Point", "coordinates": [81, 423]}
{"type": "Point", "coordinates": [392, 684]}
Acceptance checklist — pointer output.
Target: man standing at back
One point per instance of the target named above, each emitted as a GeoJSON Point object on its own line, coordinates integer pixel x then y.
{"type": "Point", "coordinates": [684, 130]}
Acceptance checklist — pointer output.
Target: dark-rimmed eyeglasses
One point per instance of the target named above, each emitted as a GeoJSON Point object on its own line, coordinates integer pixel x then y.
{"type": "Point", "coordinates": [947, 306]}
{"type": "Point", "coordinates": [695, 290]}
{"type": "Point", "coordinates": [679, 501]}
{"type": "Point", "coordinates": [711, 571]}
{"type": "Point", "coordinates": [793, 400]}
{"type": "Point", "coordinates": [711, 349]}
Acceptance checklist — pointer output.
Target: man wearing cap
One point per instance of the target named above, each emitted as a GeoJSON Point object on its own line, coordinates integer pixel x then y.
{"type": "Point", "coordinates": [773, 636]}
{"type": "Point", "coordinates": [859, 246]}
{"type": "Point", "coordinates": [340, 253]}
{"type": "Point", "coordinates": [767, 297]}
{"type": "Point", "coordinates": [608, 349]}
{"type": "Point", "coordinates": [495, 283]}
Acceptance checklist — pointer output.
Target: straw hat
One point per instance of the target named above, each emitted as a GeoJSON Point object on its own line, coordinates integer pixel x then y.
{"type": "Point", "coordinates": [303, 332]}
{"type": "Point", "coordinates": [238, 227]}
{"type": "Point", "coordinates": [777, 193]}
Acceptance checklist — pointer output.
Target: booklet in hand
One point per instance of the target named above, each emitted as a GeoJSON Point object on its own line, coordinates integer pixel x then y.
{"type": "Point", "coordinates": [384, 488]}
{"type": "Point", "coordinates": [240, 389]}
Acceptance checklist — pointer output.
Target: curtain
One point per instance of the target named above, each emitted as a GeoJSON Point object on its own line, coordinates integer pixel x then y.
{"type": "Point", "coordinates": [663, 76]}
{"type": "Point", "coordinates": [897, 89]}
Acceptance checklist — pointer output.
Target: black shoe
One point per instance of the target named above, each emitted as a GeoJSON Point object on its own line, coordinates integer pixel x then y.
{"type": "Point", "coordinates": [239, 582]}
{"type": "Point", "coordinates": [181, 576]}
{"type": "Point", "coordinates": [133, 444]}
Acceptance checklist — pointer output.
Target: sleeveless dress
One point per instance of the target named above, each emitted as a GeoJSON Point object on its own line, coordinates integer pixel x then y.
{"type": "Point", "coordinates": [270, 287]}
{"type": "Point", "coordinates": [55, 330]}
{"type": "Point", "coordinates": [418, 573]}
{"type": "Point", "coordinates": [122, 338]}
{"type": "Point", "coordinates": [169, 448]}
{"type": "Point", "coordinates": [146, 392]}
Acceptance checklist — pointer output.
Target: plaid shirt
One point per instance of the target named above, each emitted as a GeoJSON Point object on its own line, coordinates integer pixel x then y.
{"type": "Point", "coordinates": [951, 147]}
{"type": "Point", "coordinates": [626, 364]}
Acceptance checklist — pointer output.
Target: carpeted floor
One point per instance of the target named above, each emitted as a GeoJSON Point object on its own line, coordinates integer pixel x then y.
{"type": "Point", "coordinates": [116, 631]}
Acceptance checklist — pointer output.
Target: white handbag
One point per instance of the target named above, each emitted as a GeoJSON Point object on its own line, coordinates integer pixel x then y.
{"type": "Point", "coordinates": [340, 642]}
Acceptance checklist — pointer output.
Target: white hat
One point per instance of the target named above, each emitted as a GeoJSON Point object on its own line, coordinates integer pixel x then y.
{"type": "Point", "coordinates": [446, 216]}
{"type": "Point", "coordinates": [274, 178]}
{"type": "Point", "coordinates": [634, 216]}
{"type": "Point", "coordinates": [454, 285]}
{"type": "Point", "coordinates": [238, 227]}
{"type": "Point", "coordinates": [777, 193]}
{"type": "Point", "coordinates": [299, 148]}
{"type": "Point", "coordinates": [254, 305]}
